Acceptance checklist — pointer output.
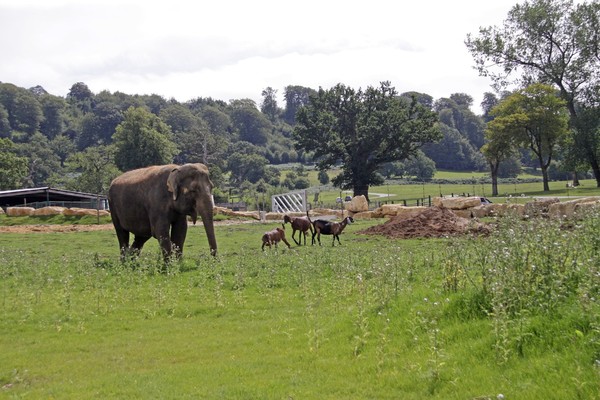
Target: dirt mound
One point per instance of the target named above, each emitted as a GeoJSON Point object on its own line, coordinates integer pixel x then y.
{"type": "Point", "coordinates": [432, 222]}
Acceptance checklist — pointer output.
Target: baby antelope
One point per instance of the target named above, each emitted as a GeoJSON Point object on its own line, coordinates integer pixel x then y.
{"type": "Point", "coordinates": [273, 237]}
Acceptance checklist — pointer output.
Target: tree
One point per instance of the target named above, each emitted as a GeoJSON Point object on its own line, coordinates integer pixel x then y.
{"type": "Point", "coordinates": [251, 124]}
{"type": "Point", "coordinates": [4, 124]}
{"type": "Point", "coordinates": [420, 166]}
{"type": "Point", "coordinates": [99, 125]}
{"type": "Point", "coordinates": [547, 41]}
{"type": "Point", "coordinates": [323, 177]}
{"type": "Point", "coordinates": [53, 121]}
{"type": "Point", "coordinates": [81, 96]}
{"type": "Point", "coordinates": [96, 169]}
{"type": "Point", "coordinates": [537, 118]}
{"type": "Point", "coordinates": [295, 98]}
{"type": "Point", "coordinates": [269, 104]}
{"type": "Point", "coordinates": [12, 167]}
{"type": "Point", "coordinates": [500, 146]}
{"type": "Point", "coordinates": [63, 147]}
{"type": "Point", "coordinates": [245, 163]}
{"type": "Point", "coordinates": [362, 130]}
{"type": "Point", "coordinates": [142, 139]}
{"type": "Point", "coordinates": [42, 162]}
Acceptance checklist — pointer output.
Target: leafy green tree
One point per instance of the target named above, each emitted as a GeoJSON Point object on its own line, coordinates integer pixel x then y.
{"type": "Point", "coordinates": [323, 177]}
{"type": "Point", "coordinates": [63, 147]}
{"type": "Point", "coordinates": [252, 126]}
{"type": "Point", "coordinates": [53, 109]}
{"type": "Point", "coordinates": [547, 41]}
{"type": "Point", "coordinates": [361, 130]}
{"type": "Point", "coordinates": [42, 162]}
{"type": "Point", "coordinates": [295, 98]}
{"type": "Point", "coordinates": [584, 145]}
{"type": "Point", "coordinates": [537, 119]}
{"type": "Point", "coordinates": [23, 109]}
{"type": "Point", "coordinates": [245, 163]}
{"type": "Point", "coordinates": [99, 125]}
{"type": "Point", "coordinates": [4, 124]}
{"type": "Point", "coordinates": [500, 146]}
{"type": "Point", "coordinates": [13, 168]}
{"type": "Point", "coordinates": [420, 166]}
{"type": "Point", "coordinates": [95, 169]}
{"type": "Point", "coordinates": [81, 97]}
{"type": "Point", "coordinates": [269, 104]}
{"type": "Point", "coordinates": [142, 139]}
{"type": "Point", "coordinates": [27, 113]}
{"type": "Point", "coordinates": [193, 136]}
{"type": "Point", "coordinates": [246, 167]}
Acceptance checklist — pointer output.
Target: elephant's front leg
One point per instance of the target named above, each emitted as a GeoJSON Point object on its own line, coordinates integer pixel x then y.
{"type": "Point", "coordinates": [161, 233]}
{"type": "Point", "coordinates": [178, 234]}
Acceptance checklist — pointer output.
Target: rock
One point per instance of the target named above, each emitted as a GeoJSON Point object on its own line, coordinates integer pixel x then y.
{"type": "Point", "coordinates": [357, 204]}
{"type": "Point", "coordinates": [567, 209]}
{"type": "Point", "coordinates": [539, 207]}
{"type": "Point", "coordinates": [456, 203]}
{"type": "Point", "coordinates": [19, 211]}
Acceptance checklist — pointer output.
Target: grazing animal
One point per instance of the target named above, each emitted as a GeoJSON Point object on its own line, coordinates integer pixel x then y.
{"type": "Point", "coordinates": [329, 228]}
{"type": "Point", "coordinates": [301, 224]}
{"type": "Point", "coordinates": [155, 202]}
{"type": "Point", "coordinates": [274, 237]}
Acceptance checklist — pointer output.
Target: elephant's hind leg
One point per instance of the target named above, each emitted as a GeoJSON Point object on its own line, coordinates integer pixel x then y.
{"type": "Point", "coordinates": [138, 243]}
{"type": "Point", "coordinates": [123, 238]}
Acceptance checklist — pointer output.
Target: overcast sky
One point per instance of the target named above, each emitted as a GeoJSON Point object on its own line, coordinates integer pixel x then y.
{"type": "Point", "coordinates": [233, 49]}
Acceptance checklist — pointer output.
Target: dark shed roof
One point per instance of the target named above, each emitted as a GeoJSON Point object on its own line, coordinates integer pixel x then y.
{"type": "Point", "coordinates": [47, 195]}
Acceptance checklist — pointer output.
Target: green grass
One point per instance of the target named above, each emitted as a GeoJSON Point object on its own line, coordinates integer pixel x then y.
{"type": "Point", "coordinates": [508, 192]}
{"type": "Point", "coordinates": [515, 313]}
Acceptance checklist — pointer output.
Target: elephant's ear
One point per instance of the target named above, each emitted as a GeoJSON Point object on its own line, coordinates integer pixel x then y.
{"type": "Point", "coordinates": [173, 183]}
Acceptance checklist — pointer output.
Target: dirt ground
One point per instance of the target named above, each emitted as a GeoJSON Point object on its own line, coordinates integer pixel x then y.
{"type": "Point", "coordinates": [88, 228]}
{"type": "Point", "coordinates": [433, 222]}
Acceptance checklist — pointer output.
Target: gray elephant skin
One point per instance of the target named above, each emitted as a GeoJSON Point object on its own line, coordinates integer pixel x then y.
{"type": "Point", "coordinates": [155, 202]}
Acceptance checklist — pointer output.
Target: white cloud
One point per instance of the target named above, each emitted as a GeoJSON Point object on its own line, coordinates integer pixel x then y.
{"type": "Point", "coordinates": [236, 48]}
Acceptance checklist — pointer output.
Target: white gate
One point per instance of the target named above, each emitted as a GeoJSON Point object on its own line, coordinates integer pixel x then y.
{"type": "Point", "coordinates": [289, 202]}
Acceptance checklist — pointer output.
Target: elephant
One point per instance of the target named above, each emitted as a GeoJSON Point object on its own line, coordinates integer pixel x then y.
{"type": "Point", "coordinates": [155, 202]}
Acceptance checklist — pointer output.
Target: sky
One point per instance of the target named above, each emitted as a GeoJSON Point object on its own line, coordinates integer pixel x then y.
{"type": "Point", "coordinates": [234, 49]}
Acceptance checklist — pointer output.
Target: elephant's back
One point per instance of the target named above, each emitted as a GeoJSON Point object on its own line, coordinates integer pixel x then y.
{"type": "Point", "coordinates": [144, 176]}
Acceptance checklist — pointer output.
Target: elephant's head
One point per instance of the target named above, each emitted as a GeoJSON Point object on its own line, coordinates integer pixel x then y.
{"type": "Point", "coordinates": [191, 190]}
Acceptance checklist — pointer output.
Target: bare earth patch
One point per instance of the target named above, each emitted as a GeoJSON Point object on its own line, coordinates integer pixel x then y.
{"type": "Point", "coordinates": [432, 222]}
{"type": "Point", "coordinates": [88, 228]}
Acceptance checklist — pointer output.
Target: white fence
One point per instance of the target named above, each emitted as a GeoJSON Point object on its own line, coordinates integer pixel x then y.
{"type": "Point", "coordinates": [289, 202]}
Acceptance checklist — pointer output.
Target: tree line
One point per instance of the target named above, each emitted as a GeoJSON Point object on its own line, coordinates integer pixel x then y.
{"type": "Point", "coordinates": [549, 119]}
{"type": "Point", "coordinates": [82, 141]}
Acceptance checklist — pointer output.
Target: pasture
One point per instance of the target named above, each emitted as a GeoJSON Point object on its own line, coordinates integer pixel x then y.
{"type": "Point", "coordinates": [512, 315]}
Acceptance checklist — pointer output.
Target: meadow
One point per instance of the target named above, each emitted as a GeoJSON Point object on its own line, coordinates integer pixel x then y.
{"type": "Point", "coordinates": [456, 184]}
{"type": "Point", "coordinates": [512, 315]}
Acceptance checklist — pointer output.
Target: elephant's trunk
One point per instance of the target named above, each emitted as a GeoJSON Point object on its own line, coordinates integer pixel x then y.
{"type": "Point", "coordinates": [206, 213]}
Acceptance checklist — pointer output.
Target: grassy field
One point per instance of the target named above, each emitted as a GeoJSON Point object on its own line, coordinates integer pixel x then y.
{"type": "Point", "coordinates": [514, 315]}
{"type": "Point", "coordinates": [415, 193]}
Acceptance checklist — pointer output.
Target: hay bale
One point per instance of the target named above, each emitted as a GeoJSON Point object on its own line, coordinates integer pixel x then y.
{"type": "Point", "coordinates": [50, 210]}
{"type": "Point", "coordinates": [363, 215]}
{"type": "Point", "coordinates": [79, 212]}
{"type": "Point", "coordinates": [19, 211]}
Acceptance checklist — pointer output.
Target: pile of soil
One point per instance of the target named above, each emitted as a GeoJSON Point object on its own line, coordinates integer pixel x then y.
{"type": "Point", "coordinates": [432, 222]}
